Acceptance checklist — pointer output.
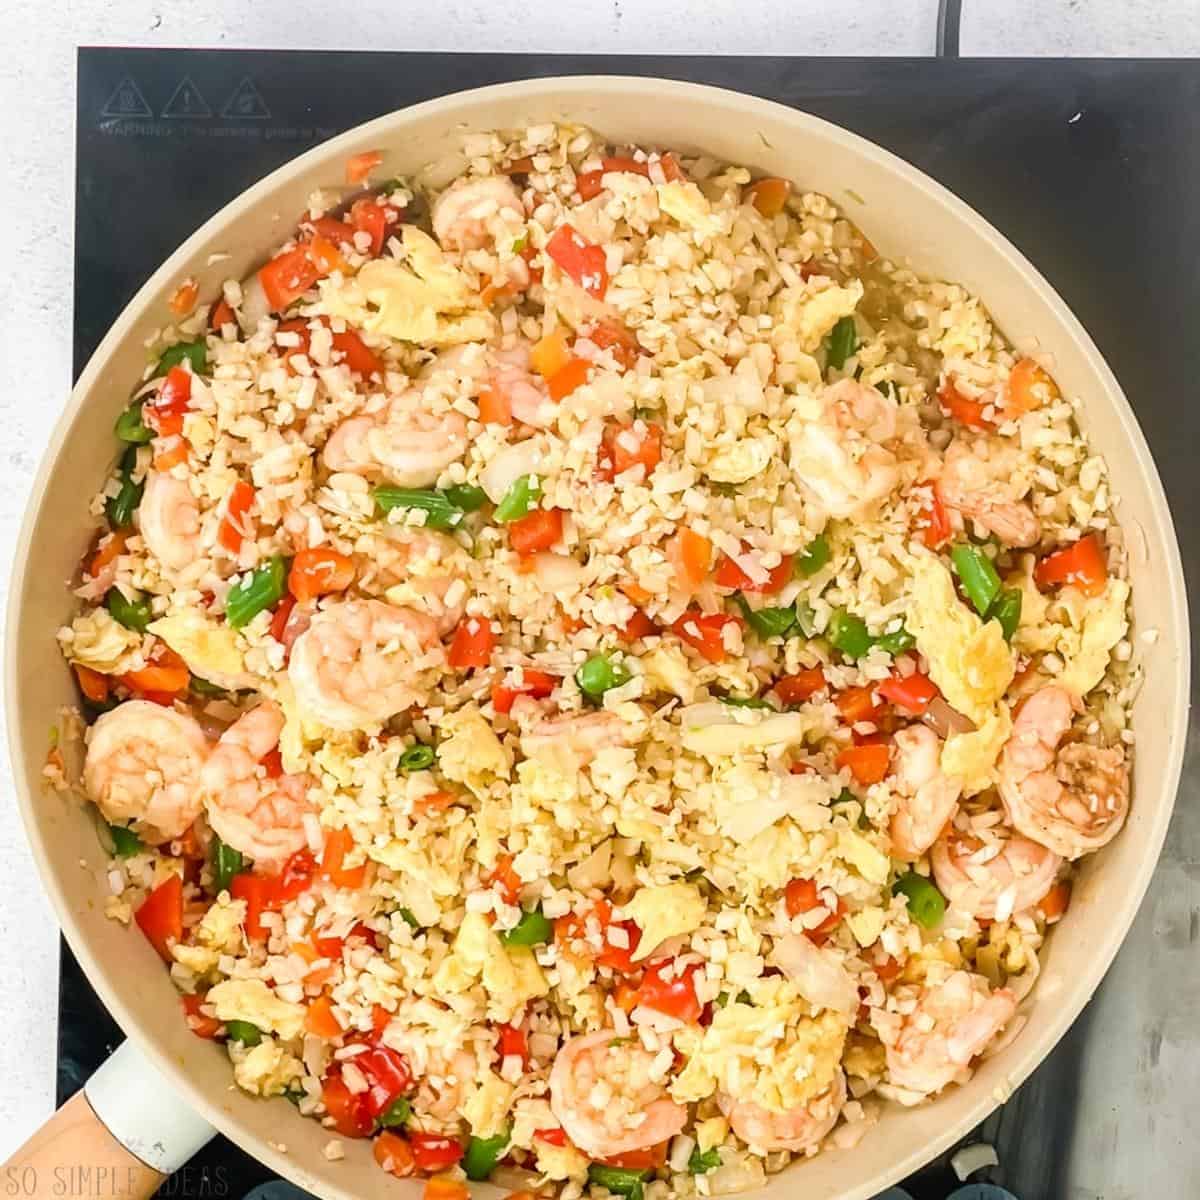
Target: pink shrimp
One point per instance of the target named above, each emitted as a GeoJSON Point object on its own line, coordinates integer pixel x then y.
{"type": "Point", "coordinates": [980, 879]}
{"type": "Point", "coordinates": [926, 799]}
{"type": "Point", "coordinates": [799, 1130]}
{"type": "Point", "coordinates": [987, 490]}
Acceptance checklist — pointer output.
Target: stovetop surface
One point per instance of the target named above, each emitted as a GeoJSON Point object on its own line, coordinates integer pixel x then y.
{"type": "Point", "coordinates": [1090, 167]}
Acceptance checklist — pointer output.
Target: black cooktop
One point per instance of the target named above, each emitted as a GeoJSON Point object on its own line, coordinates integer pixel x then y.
{"type": "Point", "coordinates": [1090, 167]}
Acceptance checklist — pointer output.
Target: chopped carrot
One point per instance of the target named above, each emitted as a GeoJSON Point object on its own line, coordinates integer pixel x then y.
{"type": "Point", "coordinates": [319, 571]}
{"type": "Point", "coordinates": [306, 951]}
{"type": "Point", "coordinates": [573, 375]}
{"type": "Point", "coordinates": [692, 554]}
{"type": "Point", "coordinates": [1082, 564]}
{"type": "Point", "coordinates": [166, 674]}
{"type": "Point", "coordinates": [472, 645]}
{"type": "Point", "coordinates": [505, 879]}
{"type": "Point", "coordinates": [1028, 388]}
{"type": "Point", "coordinates": [109, 549]}
{"type": "Point", "coordinates": [393, 1154]}
{"type": "Point", "coordinates": [184, 298]}
{"type": "Point", "coordinates": [858, 704]}
{"type": "Point", "coordinates": [769, 195]}
{"type": "Point", "coordinates": [889, 969]}
{"type": "Point", "coordinates": [609, 335]}
{"type": "Point", "coordinates": [627, 446]}
{"type": "Point", "coordinates": [801, 896]}
{"type": "Point", "coordinates": [326, 257]}
{"type": "Point", "coordinates": [550, 354]}
{"type": "Point", "coordinates": [867, 763]}
{"type": "Point", "coordinates": [646, 1158]}
{"type": "Point", "coordinates": [222, 315]}
{"type": "Point", "coordinates": [443, 1187]}
{"type": "Point", "coordinates": [934, 522]}
{"type": "Point", "coordinates": [92, 684]}
{"type": "Point", "coordinates": [637, 593]}
{"type": "Point", "coordinates": [626, 997]}
{"type": "Point", "coordinates": [175, 453]}
{"type": "Point", "coordinates": [494, 407]}
{"type": "Point", "coordinates": [961, 409]}
{"type": "Point", "coordinates": [320, 1019]}
{"type": "Point", "coordinates": [539, 530]}
{"type": "Point", "coordinates": [1054, 903]}
{"type": "Point", "coordinates": [639, 626]}
{"type": "Point", "coordinates": [434, 802]}
{"type": "Point", "coordinates": [519, 166]}
{"type": "Point", "coordinates": [359, 166]}
{"type": "Point", "coordinates": [339, 843]}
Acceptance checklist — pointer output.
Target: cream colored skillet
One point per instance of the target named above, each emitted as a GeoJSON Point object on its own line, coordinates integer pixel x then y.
{"type": "Point", "coordinates": [165, 1090]}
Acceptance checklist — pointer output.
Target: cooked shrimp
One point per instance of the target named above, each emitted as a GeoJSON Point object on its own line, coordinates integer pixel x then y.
{"type": "Point", "coordinates": [169, 518]}
{"type": "Point", "coordinates": [527, 397]}
{"type": "Point", "coordinates": [1071, 800]}
{"type": "Point", "coordinates": [841, 458]}
{"type": "Point", "coordinates": [604, 1094]}
{"type": "Point", "coordinates": [420, 569]}
{"type": "Point", "coordinates": [926, 798]}
{"type": "Point", "coordinates": [464, 214]}
{"type": "Point", "coordinates": [442, 1089]}
{"type": "Point", "coordinates": [414, 446]}
{"type": "Point", "coordinates": [580, 738]}
{"type": "Point", "coordinates": [361, 661]}
{"type": "Point", "coordinates": [799, 1130]}
{"type": "Point", "coordinates": [952, 1023]}
{"type": "Point", "coordinates": [992, 881]}
{"type": "Point", "coordinates": [989, 490]}
{"type": "Point", "coordinates": [142, 766]}
{"type": "Point", "coordinates": [260, 816]}
{"type": "Point", "coordinates": [346, 448]}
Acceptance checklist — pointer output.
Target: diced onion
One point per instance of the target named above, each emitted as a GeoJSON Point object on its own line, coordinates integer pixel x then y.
{"type": "Point", "coordinates": [510, 464]}
{"type": "Point", "coordinates": [255, 305]}
{"type": "Point", "coordinates": [680, 1151]}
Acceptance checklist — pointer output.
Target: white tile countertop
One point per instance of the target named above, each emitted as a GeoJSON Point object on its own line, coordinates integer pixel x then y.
{"type": "Point", "coordinates": [37, 106]}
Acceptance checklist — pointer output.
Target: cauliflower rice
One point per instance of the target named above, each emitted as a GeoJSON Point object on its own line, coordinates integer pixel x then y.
{"type": "Point", "coordinates": [596, 679]}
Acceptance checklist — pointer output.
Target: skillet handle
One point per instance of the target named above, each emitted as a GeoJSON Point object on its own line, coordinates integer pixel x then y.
{"type": "Point", "coordinates": [121, 1136]}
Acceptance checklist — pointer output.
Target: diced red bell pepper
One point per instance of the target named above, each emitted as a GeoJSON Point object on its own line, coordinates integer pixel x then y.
{"type": "Point", "coordinates": [160, 915]}
{"type": "Point", "coordinates": [868, 763]}
{"type": "Point", "coordinates": [538, 530]}
{"type": "Point", "coordinates": [533, 683]}
{"type": "Point", "coordinates": [552, 1137]}
{"type": "Point", "coordinates": [573, 374]}
{"type": "Point", "coordinates": [472, 646]}
{"type": "Point", "coordinates": [222, 315]}
{"type": "Point", "coordinates": [637, 444]}
{"type": "Point", "coordinates": [164, 414]}
{"type": "Point", "coordinates": [370, 217]}
{"type": "Point", "coordinates": [287, 277]}
{"type": "Point", "coordinates": [511, 1042]}
{"type": "Point", "coordinates": [295, 879]}
{"type": "Point", "coordinates": [92, 684]}
{"type": "Point", "coordinates": [934, 524]}
{"type": "Point", "coordinates": [609, 335]}
{"type": "Point", "coordinates": [639, 626]}
{"type": "Point", "coordinates": [348, 1109]}
{"type": "Point", "coordinates": [671, 990]}
{"type": "Point", "coordinates": [279, 618]}
{"type": "Point", "coordinates": [1081, 564]}
{"type": "Point", "coordinates": [388, 1074]}
{"type": "Point", "coordinates": [434, 1151]}
{"type": "Point", "coordinates": [704, 632]}
{"type": "Point", "coordinates": [648, 1158]}
{"type": "Point", "coordinates": [393, 1153]}
{"type": "Point", "coordinates": [961, 409]}
{"type": "Point", "coordinates": [768, 195]}
{"type": "Point", "coordinates": [730, 575]}
{"type": "Point", "coordinates": [356, 354]}
{"type": "Point", "coordinates": [574, 926]}
{"type": "Point", "coordinates": [359, 166]}
{"type": "Point", "coordinates": [796, 689]}
{"type": "Point", "coordinates": [234, 527]}
{"type": "Point", "coordinates": [330, 228]}
{"type": "Point", "coordinates": [166, 674]}
{"type": "Point", "coordinates": [201, 1024]}
{"type": "Point", "coordinates": [580, 260]}
{"type": "Point", "coordinates": [912, 693]}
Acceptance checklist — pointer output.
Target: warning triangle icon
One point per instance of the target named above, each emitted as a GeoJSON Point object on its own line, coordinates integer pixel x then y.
{"type": "Point", "coordinates": [246, 104]}
{"type": "Point", "coordinates": [126, 101]}
{"type": "Point", "coordinates": [186, 101]}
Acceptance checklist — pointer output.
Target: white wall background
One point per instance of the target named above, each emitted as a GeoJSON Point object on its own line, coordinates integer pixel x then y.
{"type": "Point", "coordinates": [37, 72]}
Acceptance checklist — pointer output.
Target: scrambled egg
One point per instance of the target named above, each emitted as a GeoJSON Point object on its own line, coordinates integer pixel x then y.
{"type": "Point", "coordinates": [251, 1000]}
{"type": "Point", "coordinates": [469, 752]}
{"type": "Point", "coordinates": [711, 1133]}
{"type": "Point", "coordinates": [746, 799]}
{"type": "Point", "coordinates": [94, 639]}
{"type": "Point", "coordinates": [868, 860]}
{"type": "Point", "coordinates": [510, 975]}
{"type": "Point", "coordinates": [423, 299]}
{"type": "Point", "coordinates": [219, 932]}
{"type": "Point", "coordinates": [1035, 632]}
{"type": "Point", "coordinates": [1101, 626]}
{"type": "Point", "coordinates": [866, 925]}
{"type": "Point", "coordinates": [969, 660]}
{"type": "Point", "coordinates": [971, 757]}
{"type": "Point", "coordinates": [770, 1052]}
{"type": "Point", "coordinates": [663, 912]}
{"type": "Point", "coordinates": [300, 734]}
{"type": "Point", "coordinates": [428, 868]}
{"type": "Point", "coordinates": [687, 204]}
{"type": "Point", "coordinates": [210, 650]}
{"type": "Point", "coordinates": [666, 669]}
{"type": "Point", "coordinates": [560, 1162]}
{"type": "Point", "coordinates": [742, 460]}
{"type": "Point", "coordinates": [486, 1108]}
{"type": "Point", "coordinates": [812, 311]}
{"type": "Point", "coordinates": [267, 1069]}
